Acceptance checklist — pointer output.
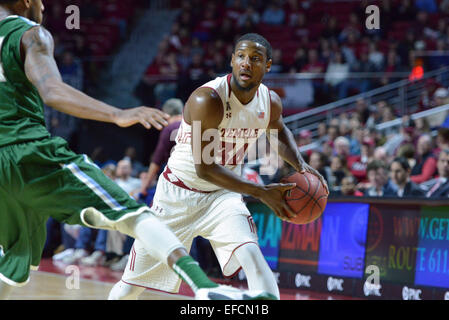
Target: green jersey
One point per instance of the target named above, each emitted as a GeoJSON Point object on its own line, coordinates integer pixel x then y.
{"type": "Point", "coordinates": [21, 107]}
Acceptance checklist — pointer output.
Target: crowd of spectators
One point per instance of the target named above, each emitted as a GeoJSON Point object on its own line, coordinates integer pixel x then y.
{"type": "Point", "coordinates": [325, 37]}
{"type": "Point", "coordinates": [358, 160]}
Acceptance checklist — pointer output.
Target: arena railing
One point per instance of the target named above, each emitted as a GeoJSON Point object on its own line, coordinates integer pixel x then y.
{"type": "Point", "coordinates": [403, 95]}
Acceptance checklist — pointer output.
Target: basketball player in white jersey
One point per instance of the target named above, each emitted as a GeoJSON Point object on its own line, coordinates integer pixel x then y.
{"type": "Point", "coordinates": [195, 197]}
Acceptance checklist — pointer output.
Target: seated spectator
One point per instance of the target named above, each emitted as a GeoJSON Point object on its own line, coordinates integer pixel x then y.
{"type": "Point", "coordinates": [426, 164]}
{"type": "Point", "coordinates": [439, 187]}
{"type": "Point", "coordinates": [380, 186]}
{"type": "Point", "coordinates": [442, 139]}
{"type": "Point", "coordinates": [339, 170]}
{"type": "Point", "coordinates": [348, 188]}
{"type": "Point", "coordinates": [337, 72]}
{"type": "Point", "coordinates": [406, 135]}
{"type": "Point", "coordinates": [124, 179]}
{"type": "Point", "coordinates": [361, 85]}
{"type": "Point", "coordinates": [400, 175]}
{"type": "Point", "coordinates": [235, 11]}
{"type": "Point", "coordinates": [352, 27]}
{"type": "Point", "coordinates": [273, 14]}
{"type": "Point", "coordinates": [407, 151]}
{"type": "Point", "coordinates": [422, 126]}
{"type": "Point", "coordinates": [318, 161]}
{"type": "Point", "coordinates": [250, 14]}
{"type": "Point", "coordinates": [278, 66]}
{"type": "Point", "coordinates": [358, 164]}
{"type": "Point", "coordinates": [331, 30]}
{"type": "Point", "coordinates": [376, 57]}
{"type": "Point", "coordinates": [300, 28]}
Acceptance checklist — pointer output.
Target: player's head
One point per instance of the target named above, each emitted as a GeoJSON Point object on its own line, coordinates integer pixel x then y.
{"type": "Point", "coordinates": [31, 9]}
{"type": "Point", "coordinates": [251, 59]}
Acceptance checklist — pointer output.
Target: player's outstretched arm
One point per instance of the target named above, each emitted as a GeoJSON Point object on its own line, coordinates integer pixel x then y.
{"type": "Point", "coordinates": [286, 145]}
{"type": "Point", "coordinates": [37, 48]}
{"type": "Point", "coordinates": [206, 108]}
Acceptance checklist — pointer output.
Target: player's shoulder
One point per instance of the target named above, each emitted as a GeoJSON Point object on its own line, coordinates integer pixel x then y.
{"type": "Point", "coordinates": [37, 37]}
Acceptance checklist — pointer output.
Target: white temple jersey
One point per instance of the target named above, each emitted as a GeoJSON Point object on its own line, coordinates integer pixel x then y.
{"type": "Point", "coordinates": [240, 127]}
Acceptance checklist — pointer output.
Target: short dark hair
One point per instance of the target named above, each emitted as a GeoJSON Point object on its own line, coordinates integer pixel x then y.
{"type": "Point", "coordinates": [403, 162]}
{"type": "Point", "coordinates": [444, 134]}
{"type": "Point", "coordinates": [375, 165]}
{"type": "Point", "coordinates": [255, 37]}
{"type": "Point", "coordinates": [7, 1]}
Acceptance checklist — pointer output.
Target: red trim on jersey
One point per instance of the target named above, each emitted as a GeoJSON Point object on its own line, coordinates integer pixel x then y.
{"type": "Point", "coordinates": [179, 183]}
{"type": "Point", "coordinates": [232, 275]}
{"type": "Point", "coordinates": [228, 80]}
{"type": "Point", "coordinates": [149, 288]}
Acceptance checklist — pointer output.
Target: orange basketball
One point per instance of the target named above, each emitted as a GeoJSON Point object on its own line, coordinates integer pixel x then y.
{"type": "Point", "coordinates": [308, 199]}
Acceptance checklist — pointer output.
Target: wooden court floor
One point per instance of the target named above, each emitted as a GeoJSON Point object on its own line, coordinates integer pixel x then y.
{"type": "Point", "coordinates": [52, 286]}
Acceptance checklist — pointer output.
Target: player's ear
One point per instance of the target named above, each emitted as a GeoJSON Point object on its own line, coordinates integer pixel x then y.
{"type": "Point", "coordinates": [269, 62]}
{"type": "Point", "coordinates": [26, 3]}
{"type": "Point", "coordinates": [232, 60]}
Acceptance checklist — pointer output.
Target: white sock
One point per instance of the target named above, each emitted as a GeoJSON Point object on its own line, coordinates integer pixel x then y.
{"type": "Point", "coordinates": [5, 290]}
{"type": "Point", "coordinates": [155, 236]}
{"type": "Point", "coordinates": [124, 291]}
{"type": "Point", "coordinates": [257, 271]}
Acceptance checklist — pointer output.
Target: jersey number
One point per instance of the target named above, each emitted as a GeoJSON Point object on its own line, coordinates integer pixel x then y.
{"type": "Point", "coordinates": [2, 74]}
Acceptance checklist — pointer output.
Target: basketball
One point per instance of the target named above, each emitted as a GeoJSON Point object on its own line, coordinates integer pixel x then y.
{"type": "Point", "coordinates": [308, 199]}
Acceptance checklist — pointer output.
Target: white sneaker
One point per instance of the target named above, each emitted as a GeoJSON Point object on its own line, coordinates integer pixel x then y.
{"type": "Point", "coordinates": [61, 255]}
{"type": "Point", "coordinates": [230, 293]}
{"type": "Point", "coordinates": [97, 258]}
{"type": "Point", "coordinates": [77, 256]}
{"type": "Point", "coordinates": [121, 264]}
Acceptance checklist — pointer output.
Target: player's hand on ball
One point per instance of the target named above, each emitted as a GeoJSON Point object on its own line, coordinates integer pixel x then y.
{"type": "Point", "coordinates": [308, 168]}
{"type": "Point", "coordinates": [273, 196]}
{"type": "Point", "coordinates": [148, 117]}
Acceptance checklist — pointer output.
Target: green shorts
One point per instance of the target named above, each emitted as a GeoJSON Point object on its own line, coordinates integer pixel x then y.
{"type": "Point", "coordinates": [43, 179]}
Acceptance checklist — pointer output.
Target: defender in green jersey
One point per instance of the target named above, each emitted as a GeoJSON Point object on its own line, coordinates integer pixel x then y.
{"type": "Point", "coordinates": [40, 177]}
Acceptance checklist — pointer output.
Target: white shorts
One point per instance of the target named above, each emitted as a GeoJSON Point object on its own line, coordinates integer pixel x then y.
{"type": "Point", "coordinates": [220, 216]}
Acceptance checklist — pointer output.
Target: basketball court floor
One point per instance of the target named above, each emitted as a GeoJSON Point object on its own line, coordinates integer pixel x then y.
{"type": "Point", "coordinates": [57, 281]}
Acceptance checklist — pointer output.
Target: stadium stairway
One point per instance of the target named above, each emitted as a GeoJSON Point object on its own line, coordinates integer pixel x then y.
{"type": "Point", "coordinates": [127, 67]}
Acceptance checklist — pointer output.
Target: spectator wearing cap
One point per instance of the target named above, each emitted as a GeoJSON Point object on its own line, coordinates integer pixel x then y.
{"type": "Point", "coordinates": [426, 164]}
{"type": "Point", "coordinates": [380, 186]}
{"type": "Point", "coordinates": [166, 141]}
{"type": "Point", "coordinates": [400, 175]}
{"type": "Point", "coordinates": [439, 187]}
